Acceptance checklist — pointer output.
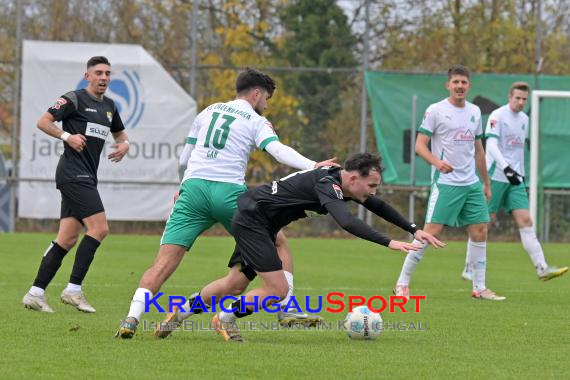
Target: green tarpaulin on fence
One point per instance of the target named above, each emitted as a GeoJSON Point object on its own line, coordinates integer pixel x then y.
{"type": "Point", "coordinates": [391, 94]}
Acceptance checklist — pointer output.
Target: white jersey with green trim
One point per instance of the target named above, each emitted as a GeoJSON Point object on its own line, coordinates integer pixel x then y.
{"type": "Point", "coordinates": [511, 129]}
{"type": "Point", "coordinates": [453, 131]}
{"type": "Point", "coordinates": [224, 135]}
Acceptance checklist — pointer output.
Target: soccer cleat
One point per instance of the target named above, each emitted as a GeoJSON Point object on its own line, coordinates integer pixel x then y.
{"type": "Point", "coordinates": [37, 303]}
{"type": "Point", "coordinates": [402, 290]}
{"type": "Point", "coordinates": [552, 272]}
{"type": "Point", "coordinates": [78, 300]}
{"type": "Point", "coordinates": [486, 294]}
{"type": "Point", "coordinates": [228, 331]}
{"type": "Point", "coordinates": [467, 275]}
{"type": "Point", "coordinates": [166, 327]}
{"type": "Point", "coordinates": [286, 318]}
{"type": "Point", "coordinates": [127, 329]}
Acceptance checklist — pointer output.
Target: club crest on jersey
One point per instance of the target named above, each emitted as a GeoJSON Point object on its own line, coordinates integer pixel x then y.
{"type": "Point", "coordinates": [110, 116]}
{"type": "Point", "coordinates": [60, 102]}
{"type": "Point", "coordinates": [338, 191]}
{"type": "Point", "coordinates": [493, 123]}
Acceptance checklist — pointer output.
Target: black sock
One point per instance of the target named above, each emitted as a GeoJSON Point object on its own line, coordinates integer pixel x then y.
{"type": "Point", "coordinates": [239, 314]}
{"type": "Point", "coordinates": [192, 301]}
{"type": "Point", "coordinates": [83, 258]}
{"type": "Point", "coordinates": [50, 264]}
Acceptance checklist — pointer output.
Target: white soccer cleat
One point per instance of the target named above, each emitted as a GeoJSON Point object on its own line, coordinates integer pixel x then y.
{"type": "Point", "coordinates": [551, 272]}
{"type": "Point", "coordinates": [290, 318]}
{"type": "Point", "coordinates": [37, 303]}
{"type": "Point", "coordinates": [486, 294]}
{"type": "Point", "coordinates": [402, 290]}
{"type": "Point", "coordinates": [78, 300]}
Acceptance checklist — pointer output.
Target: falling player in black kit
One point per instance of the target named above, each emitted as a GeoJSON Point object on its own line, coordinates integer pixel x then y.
{"type": "Point", "coordinates": [265, 210]}
{"type": "Point", "coordinates": [87, 117]}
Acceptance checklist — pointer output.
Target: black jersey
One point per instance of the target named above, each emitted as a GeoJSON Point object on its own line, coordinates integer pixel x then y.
{"type": "Point", "coordinates": [82, 113]}
{"type": "Point", "coordinates": [313, 191]}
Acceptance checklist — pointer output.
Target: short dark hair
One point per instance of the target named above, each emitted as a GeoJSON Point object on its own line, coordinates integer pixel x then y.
{"type": "Point", "coordinates": [458, 69]}
{"type": "Point", "coordinates": [93, 61]}
{"type": "Point", "coordinates": [364, 163]}
{"type": "Point", "coordinates": [251, 78]}
{"type": "Point", "coordinates": [523, 86]}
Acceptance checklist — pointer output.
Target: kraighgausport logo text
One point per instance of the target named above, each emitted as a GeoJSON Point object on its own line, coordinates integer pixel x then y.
{"type": "Point", "coordinates": [335, 303]}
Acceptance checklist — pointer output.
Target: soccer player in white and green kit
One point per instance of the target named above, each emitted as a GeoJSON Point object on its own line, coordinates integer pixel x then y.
{"type": "Point", "coordinates": [457, 197]}
{"type": "Point", "coordinates": [506, 132]}
{"type": "Point", "coordinates": [217, 151]}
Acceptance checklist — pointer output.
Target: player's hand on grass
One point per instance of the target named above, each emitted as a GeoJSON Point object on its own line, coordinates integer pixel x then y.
{"type": "Point", "coordinates": [403, 246]}
{"type": "Point", "coordinates": [444, 167]}
{"type": "Point", "coordinates": [429, 239]}
{"type": "Point", "coordinates": [121, 150]}
{"type": "Point", "coordinates": [77, 142]}
{"type": "Point", "coordinates": [329, 162]}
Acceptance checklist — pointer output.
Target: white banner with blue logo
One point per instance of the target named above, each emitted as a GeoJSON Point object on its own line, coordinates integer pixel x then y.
{"type": "Point", "coordinates": [156, 111]}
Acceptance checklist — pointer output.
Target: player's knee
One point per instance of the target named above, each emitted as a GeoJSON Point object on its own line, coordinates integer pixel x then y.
{"type": "Point", "coordinates": [67, 242]}
{"type": "Point", "coordinates": [99, 232]}
{"type": "Point", "coordinates": [524, 222]}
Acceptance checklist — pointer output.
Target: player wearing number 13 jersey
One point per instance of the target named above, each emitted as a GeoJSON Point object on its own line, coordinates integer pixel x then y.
{"type": "Point", "coordinates": [216, 154]}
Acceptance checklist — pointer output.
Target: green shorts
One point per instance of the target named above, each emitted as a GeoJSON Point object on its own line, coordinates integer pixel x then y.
{"type": "Point", "coordinates": [507, 197]}
{"type": "Point", "coordinates": [457, 206]}
{"type": "Point", "coordinates": [201, 204]}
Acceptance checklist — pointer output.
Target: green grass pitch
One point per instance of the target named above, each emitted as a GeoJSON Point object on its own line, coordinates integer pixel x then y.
{"type": "Point", "coordinates": [527, 336]}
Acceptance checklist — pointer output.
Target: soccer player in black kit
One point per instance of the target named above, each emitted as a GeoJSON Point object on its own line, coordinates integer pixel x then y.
{"type": "Point", "coordinates": [263, 211]}
{"type": "Point", "coordinates": [87, 117]}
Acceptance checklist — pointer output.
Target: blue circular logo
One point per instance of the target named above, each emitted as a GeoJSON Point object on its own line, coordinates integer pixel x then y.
{"type": "Point", "coordinates": [126, 91]}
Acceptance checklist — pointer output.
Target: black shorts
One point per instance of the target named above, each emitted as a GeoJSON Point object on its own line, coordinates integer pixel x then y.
{"type": "Point", "coordinates": [79, 200]}
{"type": "Point", "coordinates": [255, 246]}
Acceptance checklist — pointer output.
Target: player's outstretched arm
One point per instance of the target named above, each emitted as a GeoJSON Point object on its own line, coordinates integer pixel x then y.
{"type": "Point", "coordinates": [289, 156]}
{"type": "Point", "coordinates": [329, 162]}
{"type": "Point", "coordinates": [341, 214]}
{"type": "Point", "coordinates": [388, 213]}
{"type": "Point", "coordinates": [403, 246]}
{"type": "Point", "coordinates": [428, 238]}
